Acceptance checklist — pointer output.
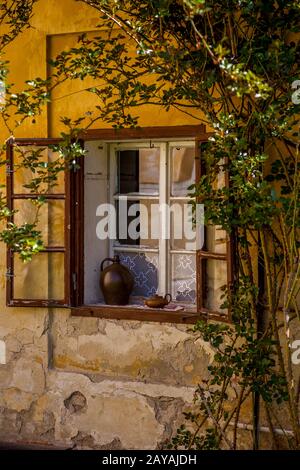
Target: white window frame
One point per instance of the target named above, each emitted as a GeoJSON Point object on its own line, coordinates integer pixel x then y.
{"type": "Point", "coordinates": [164, 197]}
{"type": "Point", "coordinates": [170, 252]}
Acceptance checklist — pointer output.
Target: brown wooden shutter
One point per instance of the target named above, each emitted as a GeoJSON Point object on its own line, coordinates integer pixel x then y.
{"type": "Point", "coordinates": [44, 281]}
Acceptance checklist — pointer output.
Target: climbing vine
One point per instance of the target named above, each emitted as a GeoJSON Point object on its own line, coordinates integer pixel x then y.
{"type": "Point", "coordinates": [233, 65]}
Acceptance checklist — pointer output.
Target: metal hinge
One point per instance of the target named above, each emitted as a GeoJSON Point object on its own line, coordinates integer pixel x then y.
{"type": "Point", "coordinates": [9, 171]}
{"type": "Point", "coordinates": [9, 274]}
{"type": "Point", "coordinates": [74, 279]}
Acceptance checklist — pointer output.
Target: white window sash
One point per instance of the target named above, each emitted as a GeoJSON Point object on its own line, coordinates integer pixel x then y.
{"type": "Point", "coordinates": [164, 198]}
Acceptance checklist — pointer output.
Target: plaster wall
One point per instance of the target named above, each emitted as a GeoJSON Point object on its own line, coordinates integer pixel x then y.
{"type": "Point", "coordinates": [86, 382]}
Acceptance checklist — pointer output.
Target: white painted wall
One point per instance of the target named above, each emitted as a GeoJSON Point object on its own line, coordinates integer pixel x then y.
{"type": "Point", "coordinates": [95, 193]}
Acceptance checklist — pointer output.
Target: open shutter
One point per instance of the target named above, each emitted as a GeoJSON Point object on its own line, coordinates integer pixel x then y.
{"type": "Point", "coordinates": [214, 260]}
{"type": "Point", "coordinates": [44, 281]}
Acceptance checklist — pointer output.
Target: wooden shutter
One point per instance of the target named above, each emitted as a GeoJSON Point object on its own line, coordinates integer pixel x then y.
{"type": "Point", "coordinates": [44, 281]}
{"type": "Point", "coordinates": [206, 255]}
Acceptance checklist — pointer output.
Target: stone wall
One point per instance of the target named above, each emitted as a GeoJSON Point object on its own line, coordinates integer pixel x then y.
{"type": "Point", "coordinates": [93, 383]}
{"type": "Point", "coordinates": [101, 384]}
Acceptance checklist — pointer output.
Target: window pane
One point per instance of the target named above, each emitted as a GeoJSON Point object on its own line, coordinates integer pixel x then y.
{"type": "Point", "coordinates": [182, 170]}
{"type": "Point", "coordinates": [183, 277]}
{"type": "Point", "coordinates": [144, 267]}
{"type": "Point", "coordinates": [42, 278]}
{"type": "Point", "coordinates": [138, 171]}
{"type": "Point", "coordinates": [51, 219]}
{"type": "Point", "coordinates": [37, 161]}
{"type": "Point", "coordinates": [55, 159]}
{"type": "Point", "coordinates": [183, 235]}
{"type": "Point", "coordinates": [138, 223]}
{"type": "Point", "coordinates": [56, 223]}
{"type": "Point", "coordinates": [216, 239]}
{"type": "Point", "coordinates": [215, 279]}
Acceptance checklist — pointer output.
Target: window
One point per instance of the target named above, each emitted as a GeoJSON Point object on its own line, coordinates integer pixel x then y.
{"type": "Point", "coordinates": [44, 281]}
{"type": "Point", "coordinates": [153, 179]}
{"type": "Point", "coordinates": [149, 179]}
{"type": "Point", "coordinates": [139, 180]}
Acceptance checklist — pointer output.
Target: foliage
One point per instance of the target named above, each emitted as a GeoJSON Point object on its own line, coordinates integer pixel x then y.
{"type": "Point", "coordinates": [24, 240]}
{"type": "Point", "coordinates": [235, 63]}
{"type": "Point", "coordinates": [16, 108]}
{"type": "Point", "coordinates": [244, 364]}
{"type": "Point", "coordinates": [231, 65]}
{"type": "Point", "coordinates": [15, 17]}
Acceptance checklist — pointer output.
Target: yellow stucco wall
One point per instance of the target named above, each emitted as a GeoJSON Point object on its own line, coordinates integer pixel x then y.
{"type": "Point", "coordinates": [131, 378]}
{"type": "Point", "coordinates": [55, 27]}
{"type": "Point", "coordinates": [27, 54]}
{"type": "Point", "coordinates": [70, 98]}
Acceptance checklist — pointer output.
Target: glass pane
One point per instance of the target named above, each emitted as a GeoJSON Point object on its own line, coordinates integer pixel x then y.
{"type": "Point", "coordinates": [144, 267]}
{"type": "Point", "coordinates": [216, 239]}
{"type": "Point", "coordinates": [39, 163]}
{"type": "Point", "coordinates": [183, 277]}
{"type": "Point", "coordinates": [149, 171]}
{"type": "Point", "coordinates": [183, 170]}
{"type": "Point", "coordinates": [138, 223]}
{"type": "Point", "coordinates": [215, 279]}
{"type": "Point", "coordinates": [55, 159]}
{"type": "Point", "coordinates": [138, 171]}
{"type": "Point", "coordinates": [183, 234]}
{"type": "Point", "coordinates": [51, 217]}
{"type": "Point", "coordinates": [42, 278]}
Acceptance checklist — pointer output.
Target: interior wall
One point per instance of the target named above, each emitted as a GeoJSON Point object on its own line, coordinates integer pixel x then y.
{"type": "Point", "coordinates": [95, 193]}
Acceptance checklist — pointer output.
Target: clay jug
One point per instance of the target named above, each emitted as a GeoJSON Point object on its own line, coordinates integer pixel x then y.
{"type": "Point", "coordinates": [116, 282]}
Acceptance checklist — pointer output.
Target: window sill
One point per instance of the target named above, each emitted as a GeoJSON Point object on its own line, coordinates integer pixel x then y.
{"type": "Point", "coordinates": [133, 313]}
{"type": "Point", "coordinates": [143, 314]}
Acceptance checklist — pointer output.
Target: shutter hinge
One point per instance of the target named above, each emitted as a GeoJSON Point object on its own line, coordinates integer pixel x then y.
{"type": "Point", "coordinates": [9, 171]}
{"type": "Point", "coordinates": [74, 279]}
{"type": "Point", "coordinates": [9, 274]}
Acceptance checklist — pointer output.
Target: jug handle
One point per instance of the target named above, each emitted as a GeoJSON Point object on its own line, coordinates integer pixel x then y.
{"type": "Point", "coordinates": [106, 259]}
{"type": "Point", "coordinates": [166, 298]}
